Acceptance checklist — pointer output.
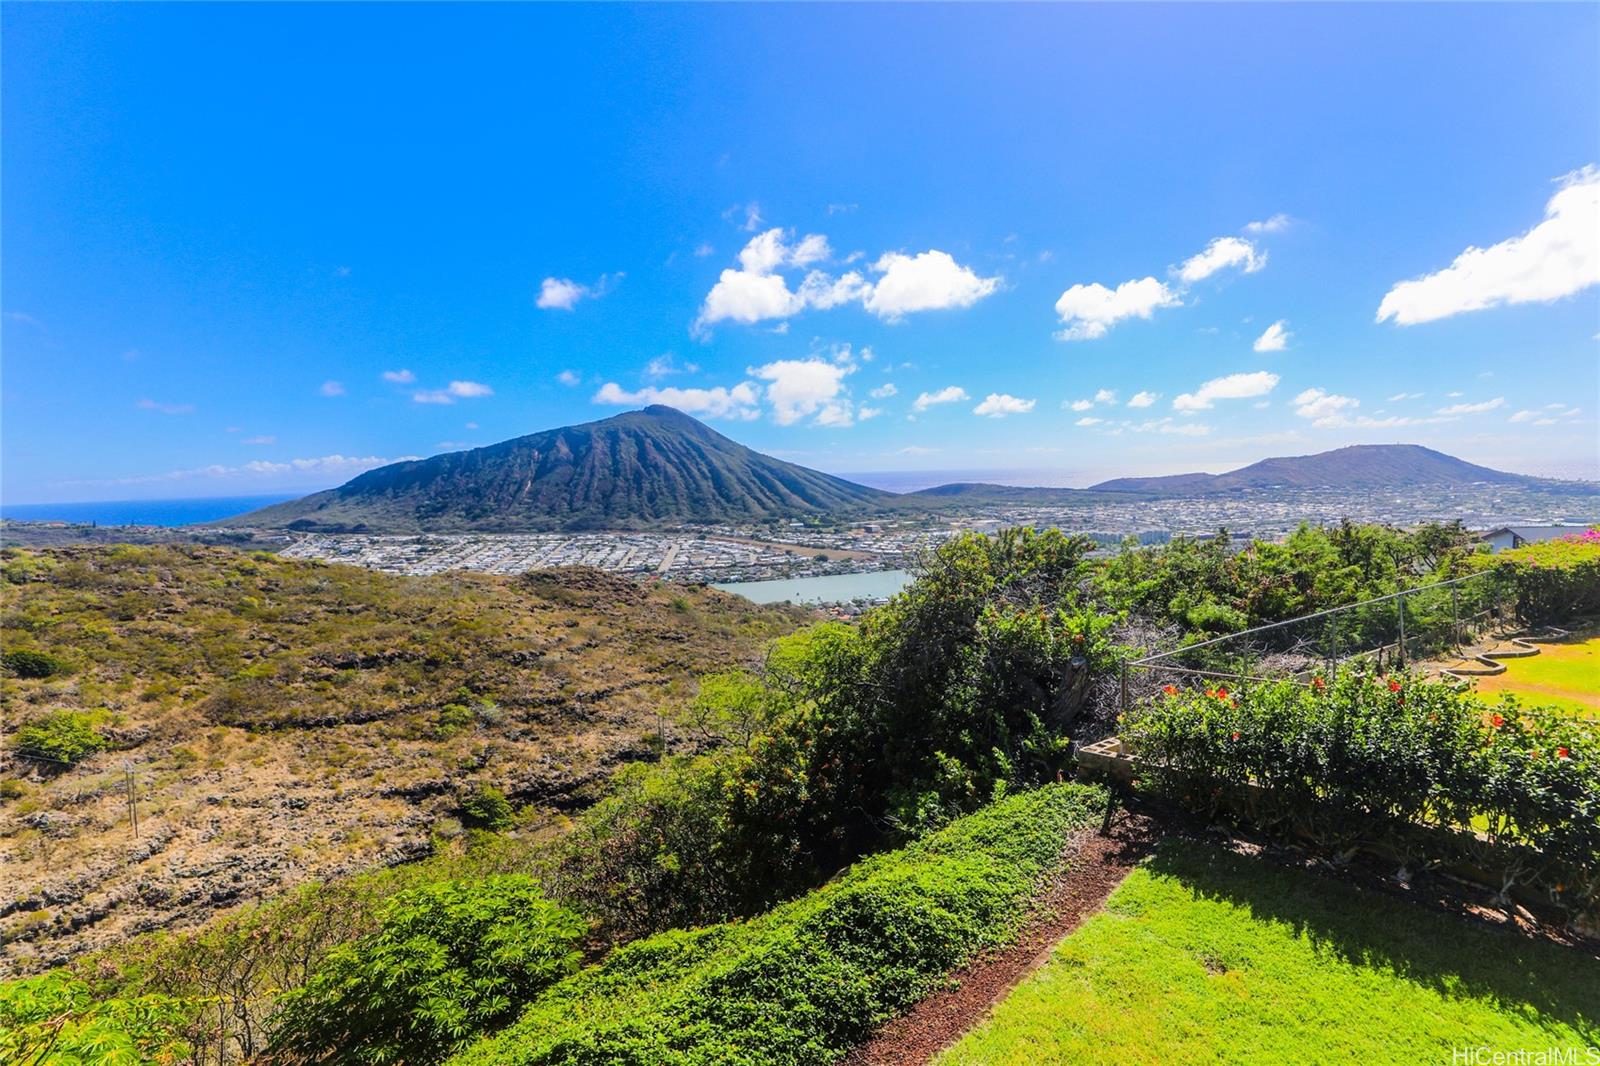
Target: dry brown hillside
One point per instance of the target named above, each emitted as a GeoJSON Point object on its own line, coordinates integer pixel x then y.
{"type": "Point", "coordinates": [291, 720]}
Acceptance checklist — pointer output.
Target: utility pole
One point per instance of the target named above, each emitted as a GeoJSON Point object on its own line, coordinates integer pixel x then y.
{"type": "Point", "coordinates": [133, 801]}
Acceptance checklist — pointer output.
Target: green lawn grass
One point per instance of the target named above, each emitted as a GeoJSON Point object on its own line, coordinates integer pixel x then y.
{"type": "Point", "coordinates": [1203, 956]}
{"type": "Point", "coordinates": [1564, 675]}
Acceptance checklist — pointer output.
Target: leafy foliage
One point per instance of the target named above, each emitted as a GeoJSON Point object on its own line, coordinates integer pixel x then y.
{"type": "Point", "coordinates": [64, 736]}
{"type": "Point", "coordinates": [1555, 579]}
{"type": "Point", "coordinates": [57, 1020]}
{"type": "Point", "coordinates": [486, 806]}
{"type": "Point", "coordinates": [1366, 759]}
{"type": "Point", "coordinates": [808, 980]}
{"type": "Point", "coordinates": [25, 662]}
{"type": "Point", "coordinates": [851, 739]}
{"type": "Point", "coordinates": [448, 960]}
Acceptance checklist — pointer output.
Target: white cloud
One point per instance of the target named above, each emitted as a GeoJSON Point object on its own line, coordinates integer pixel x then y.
{"type": "Point", "coordinates": [1322, 406]}
{"type": "Point", "coordinates": [1402, 396]}
{"type": "Point", "coordinates": [1143, 399]}
{"type": "Point", "coordinates": [740, 401]}
{"type": "Point", "coordinates": [1088, 421]}
{"type": "Point", "coordinates": [570, 378]}
{"type": "Point", "coordinates": [1276, 224]}
{"type": "Point", "coordinates": [927, 281]}
{"type": "Point", "coordinates": [1000, 404]}
{"type": "Point", "coordinates": [948, 394]}
{"type": "Point", "coordinates": [863, 413]}
{"type": "Point", "coordinates": [399, 377]}
{"type": "Point", "coordinates": [1105, 396]}
{"type": "Point", "coordinates": [802, 388]}
{"type": "Point", "coordinates": [1472, 408]}
{"type": "Point", "coordinates": [665, 365]}
{"type": "Point", "coordinates": [1558, 257]}
{"type": "Point", "coordinates": [561, 294]}
{"type": "Point", "coordinates": [1089, 311]}
{"type": "Point", "coordinates": [884, 391]}
{"type": "Point", "coordinates": [331, 388]}
{"type": "Point", "coordinates": [1077, 405]}
{"type": "Point", "coordinates": [166, 408]}
{"type": "Point", "coordinates": [331, 467]}
{"type": "Point", "coordinates": [1274, 339]}
{"type": "Point", "coordinates": [260, 440]}
{"type": "Point", "coordinates": [1168, 425]}
{"type": "Point", "coordinates": [1221, 254]}
{"type": "Point", "coordinates": [1229, 387]}
{"type": "Point", "coordinates": [1523, 416]}
{"type": "Point", "coordinates": [702, 250]}
{"type": "Point", "coordinates": [464, 390]}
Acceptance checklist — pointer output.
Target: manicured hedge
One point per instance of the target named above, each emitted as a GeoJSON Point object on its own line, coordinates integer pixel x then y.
{"type": "Point", "coordinates": [810, 979]}
{"type": "Point", "coordinates": [1366, 760]}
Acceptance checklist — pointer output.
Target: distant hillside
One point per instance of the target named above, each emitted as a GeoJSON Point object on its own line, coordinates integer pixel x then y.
{"type": "Point", "coordinates": [644, 468]}
{"type": "Point", "coordinates": [1360, 466]}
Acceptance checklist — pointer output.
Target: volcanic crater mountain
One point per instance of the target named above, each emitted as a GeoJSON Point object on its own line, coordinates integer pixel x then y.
{"type": "Point", "coordinates": [637, 470]}
{"type": "Point", "coordinates": [659, 467]}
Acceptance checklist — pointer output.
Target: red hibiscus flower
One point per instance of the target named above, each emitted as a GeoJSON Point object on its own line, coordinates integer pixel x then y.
{"type": "Point", "coordinates": [1394, 686]}
{"type": "Point", "coordinates": [1563, 753]}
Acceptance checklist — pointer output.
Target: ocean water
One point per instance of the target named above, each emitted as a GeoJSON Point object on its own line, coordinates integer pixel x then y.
{"type": "Point", "coordinates": [141, 512]}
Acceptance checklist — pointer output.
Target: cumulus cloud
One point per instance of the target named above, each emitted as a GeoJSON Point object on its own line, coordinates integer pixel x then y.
{"type": "Point", "coordinates": [1089, 311]}
{"type": "Point", "coordinates": [1077, 405]}
{"type": "Point", "coordinates": [399, 377]}
{"type": "Point", "coordinates": [1222, 253]}
{"type": "Point", "coordinates": [292, 471]}
{"type": "Point", "coordinates": [1000, 404]}
{"type": "Point", "coordinates": [570, 378]}
{"type": "Point", "coordinates": [948, 394]}
{"type": "Point", "coordinates": [560, 294]}
{"type": "Point", "coordinates": [740, 402]}
{"type": "Point", "coordinates": [331, 388]}
{"type": "Point", "coordinates": [1089, 421]}
{"type": "Point", "coordinates": [1143, 399]}
{"type": "Point", "coordinates": [756, 291]}
{"type": "Point", "coordinates": [1523, 416]}
{"type": "Point", "coordinates": [1558, 257]}
{"type": "Point", "coordinates": [1320, 406]}
{"type": "Point", "coordinates": [927, 281]}
{"type": "Point", "coordinates": [807, 388]}
{"type": "Point", "coordinates": [1105, 396]}
{"type": "Point", "coordinates": [1472, 408]}
{"type": "Point", "coordinates": [1276, 224]}
{"type": "Point", "coordinates": [1275, 338]}
{"type": "Point", "coordinates": [456, 390]}
{"type": "Point", "coordinates": [1228, 387]}
{"type": "Point", "coordinates": [884, 391]}
{"type": "Point", "coordinates": [1172, 426]}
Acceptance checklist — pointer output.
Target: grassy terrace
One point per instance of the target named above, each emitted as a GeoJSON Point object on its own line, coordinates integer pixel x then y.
{"type": "Point", "coordinates": [1564, 675]}
{"type": "Point", "coordinates": [1205, 956]}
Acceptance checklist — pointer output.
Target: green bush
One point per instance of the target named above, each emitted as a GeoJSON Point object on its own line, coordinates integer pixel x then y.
{"type": "Point", "coordinates": [486, 807]}
{"type": "Point", "coordinates": [810, 979]}
{"type": "Point", "coordinates": [23, 662]}
{"type": "Point", "coordinates": [64, 736]}
{"type": "Point", "coordinates": [1366, 760]}
{"type": "Point", "coordinates": [56, 1020]}
{"type": "Point", "coordinates": [449, 960]}
{"type": "Point", "coordinates": [1555, 579]}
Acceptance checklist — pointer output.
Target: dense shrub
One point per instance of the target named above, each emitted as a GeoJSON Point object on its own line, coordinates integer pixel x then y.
{"type": "Point", "coordinates": [24, 662]}
{"type": "Point", "coordinates": [56, 1020]}
{"type": "Point", "coordinates": [1366, 759]}
{"type": "Point", "coordinates": [448, 961]}
{"type": "Point", "coordinates": [1555, 579]}
{"type": "Point", "coordinates": [808, 980]}
{"type": "Point", "coordinates": [486, 807]}
{"type": "Point", "coordinates": [853, 738]}
{"type": "Point", "coordinates": [64, 736]}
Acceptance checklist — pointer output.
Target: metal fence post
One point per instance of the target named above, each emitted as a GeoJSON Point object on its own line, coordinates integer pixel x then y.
{"type": "Point", "coordinates": [1401, 599]}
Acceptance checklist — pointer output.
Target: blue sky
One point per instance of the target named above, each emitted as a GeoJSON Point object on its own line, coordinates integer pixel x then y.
{"type": "Point", "coordinates": [258, 248]}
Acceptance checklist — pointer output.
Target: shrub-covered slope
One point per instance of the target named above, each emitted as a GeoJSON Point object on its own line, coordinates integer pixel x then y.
{"type": "Point", "coordinates": [288, 720]}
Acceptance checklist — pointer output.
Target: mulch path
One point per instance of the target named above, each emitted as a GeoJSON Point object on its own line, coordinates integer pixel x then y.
{"type": "Point", "coordinates": [1096, 866]}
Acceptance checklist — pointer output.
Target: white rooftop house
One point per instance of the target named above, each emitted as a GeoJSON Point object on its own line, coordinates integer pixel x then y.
{"type": "Point", "coordinates": [1507, 537]}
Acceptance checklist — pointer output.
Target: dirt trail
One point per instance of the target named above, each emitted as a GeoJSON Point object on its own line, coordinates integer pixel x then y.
{"type": "Point", "coordinates": [1097, 866]}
